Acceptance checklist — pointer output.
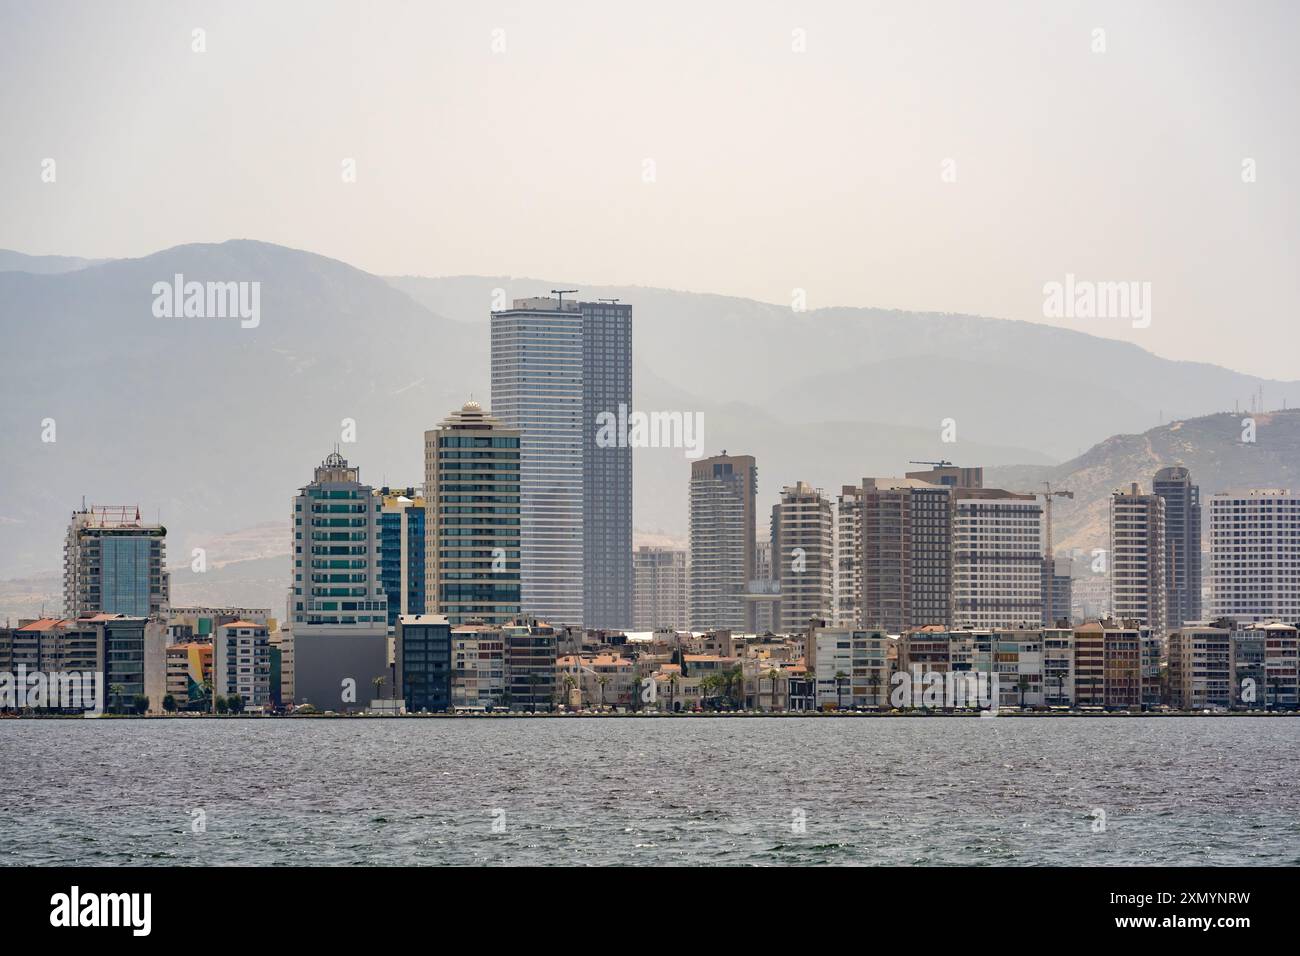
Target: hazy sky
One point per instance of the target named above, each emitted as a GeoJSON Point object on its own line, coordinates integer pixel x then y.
{"type": "Point", "coordinates": [773, 169]}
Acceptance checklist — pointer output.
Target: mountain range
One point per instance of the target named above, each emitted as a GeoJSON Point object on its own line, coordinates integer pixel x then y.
{"type": "Point", "coordinates": [212, 427]}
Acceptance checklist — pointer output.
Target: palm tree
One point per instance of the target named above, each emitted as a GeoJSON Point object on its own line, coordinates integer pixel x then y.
{"type": "Point", "coordinates": [1023, 686]}
{"type": "Point", "coordinates": [379, 686]}
{"type": "Point", "coordinates": [772, 675]}
{"type": "Point", "coordinates": [840, 678]}
{"type": "Point", "coordinates": [601, 681]}
{"type": "Point", "coordinates": [1060, 686]}
{"type": "Point", "coordinates": [115, 694]}
{"type": "Point", "coordinates": [569, 684]}
{"type": "Point", "coordinates": [672, 692]}
{"type": "Point", "coordinates": [874, 681]}
{"type": "Point", "coordinates": [533, 680]}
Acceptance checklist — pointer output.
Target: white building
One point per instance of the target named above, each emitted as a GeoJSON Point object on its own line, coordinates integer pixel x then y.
{"type": "Point", "coordinates": [803, 553]}
{"type": "Point", "coordinates": [241, 663]}
{"type": "Point", "coordinates": [848, 557]}
{"type": "Point", "coordinates": [659, 589]}
{"type": "Point", "coordinates": [997, 559]}
{"type": "Point", "coordinates": [1138, 587]}
{"type": "Point", "coordinates": [852, 668]}
{"type": "Point", "coordinates": [1255, 556]}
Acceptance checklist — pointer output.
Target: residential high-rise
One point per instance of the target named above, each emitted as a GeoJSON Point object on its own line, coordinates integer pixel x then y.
{"type": "Point", "coordinates": [1057, 590]}
{"type": "Point", "coordinates": [402, 548]}
{"type": "Point", "coordinates": [804, 557]}
{"type": "Point", "coordinates": [1137, 558]}
{"type": "Point", "coordinates": [997, 559]}
{"type": "Point", "coordinates": [241, 664]}
{"type": "Point", "coordinates": [114, 563]}
{"type": "Point", "coordinates": [531, 652]}
{"type": "Point", "coordinates": [1116, 665]}
{"type": "Point", "coordinates": [851, 668]}
{"type": "Point", "coordinates": [722, 529]}
{"type": "Point", "coordinates": [556, 368]}
{"type": "Point", "coordinates": [848, 556]}
{"type": "Point", "coordinates": [1255, 556]}
{"type": "Point", "coordinates": [907, 558]}
{"type": "Point", "coordinates": [1200, 666]}
{"type": "Point", "coordinates": [1182, 544]}
{"type": "Point", "coordinates": [338, 604]}
{"type": "Point", "coordinates": [473, 504]}
{"type": "Point", "coordinates": [660, 592]}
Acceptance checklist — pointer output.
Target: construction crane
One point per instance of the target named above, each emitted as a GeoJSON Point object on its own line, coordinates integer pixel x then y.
{"type": "Point", "coordinates": [561, 293]}
{"type": "Point", "coordinates": [936, 464]}
{"type": "Point", "coordinates": [1047, 497]}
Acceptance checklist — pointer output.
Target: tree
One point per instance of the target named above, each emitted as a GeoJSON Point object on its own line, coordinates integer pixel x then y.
{"type": "Point", "coordinates": [221, 704]}
{"type": "Point", "coordinates": [874, 681]}
{"type": "Point", "coordinates": [773, 675]}
{"type": "Point", "coordinates": [379, 686]}
{"type": "Point", "coordinates": [569, 684]}
{"type": "Point", "coordinates": [601, 681]}
{"type": "Point", "coordinates": [115, 698]}
{"type": "Point", "coordinates": [672, 692]}
{"type": "Point", "coordinates": [840, 678]}
{"type": "Point", "coordinates": [169, 704]}
{"type": "Point", "coordinates": [235, 704]}
{"type": "Point", "coordinates": [207, 694]}
{"type": "Point", "coordinates": [1023, 685]}
{"type": "Point", "coordinates": [139, 704]}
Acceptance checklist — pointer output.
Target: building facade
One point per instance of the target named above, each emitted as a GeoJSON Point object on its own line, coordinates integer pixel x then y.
{"type": "Point", "coordinates": [241, 664]}
{"type": "Point", "coordinates": [1182, 545]}
{"type": "Point", "coordinates": [402, 548]}
{"type": "Point", "coordinates": [803, 552]}
{"type": "Point", "coordinates": [556, 368]}
{"type": "Point", "coordinates": [1137, 557]}
{"type": "Point", "coordinates": [1255, 556]}
{"type": "Point", "coordinates": [848, 556]}
{"type": "Point", "coordinates": [723, 495]}
{"type": "Point", "coordinates": [114, 563]}
{"type": "Point", "coordinates": [997, 559]}
{"type": "Point", "coordinates": [659, 595]}
{"type": "Point", "coordinates": [907, 555]}
{"type": "Point", "coordinates": [474, 511]}
{"type": "Point", "coordinates": [423, 656]}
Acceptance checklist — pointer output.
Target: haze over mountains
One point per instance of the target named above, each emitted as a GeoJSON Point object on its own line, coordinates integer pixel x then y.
{"type": "Point", "coordinates": [212, 427]}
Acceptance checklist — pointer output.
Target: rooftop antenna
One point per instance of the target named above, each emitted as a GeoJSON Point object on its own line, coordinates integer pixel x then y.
{"type": "Point", "coordinates": [561, 293]}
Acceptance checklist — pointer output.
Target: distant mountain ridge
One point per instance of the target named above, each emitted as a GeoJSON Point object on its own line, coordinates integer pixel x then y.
{"type": "Point", "coordinates": [212, 427]}
{"type": "Point", "coordinates": [1211, 447]}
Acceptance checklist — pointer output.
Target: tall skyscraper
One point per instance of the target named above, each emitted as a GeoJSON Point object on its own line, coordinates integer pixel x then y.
{"type": "Point", "coordinates": [1137, 558]}
{"type": "Point", "coordinates": [1182, 544]}
{"type": "Point", "coordinates": [660, 590]}
{"type": "Point", "coordinates": [997, 559]}
{"type": "Point", "coordinates": [722, 528]}
{"type": "Point", "coordinates": [848, 556]}
{"type": "Point", "coordinates": [803, 554]}
{"type": "Point", "coordinates": [472, 504]}
{"type": "Point", "coordinates": [338, 605]}
{"type": "Point", "coordinates": [402, 548]}
{"type": "Point", "coordinates": [1255, 556]}
{"type": "Point", "coordinates": [907, 558]}
{"type": "Point", "coordinates": [336, 573]}
{"type": "Point", "coordinates": [557, 366]}
{"type": "Point", "coordinates": [606, 468]}
{"type": "Point", "coordinates": [114, 563]}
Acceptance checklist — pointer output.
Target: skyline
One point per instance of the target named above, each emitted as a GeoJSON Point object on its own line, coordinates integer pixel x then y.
{"type": "Point", "coordinates": [1123, 165]}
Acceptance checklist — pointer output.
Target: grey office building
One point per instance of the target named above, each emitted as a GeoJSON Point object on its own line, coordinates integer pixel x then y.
{"type": "Point", "coordinates": [556, 366]}
{"type": "Point", "coordinates": [606, 471]}
{"type": "Point", "coordinates": [1182, 544]}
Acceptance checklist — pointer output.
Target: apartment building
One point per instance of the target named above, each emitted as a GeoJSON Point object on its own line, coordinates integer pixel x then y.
{"type": "Point", "coordinates": [1255, 556]}
{"type": "Point", "coordinates": [997, 559]}
{"type": "Point", "coordinates": [1138, 585]}
{"type": "Point", "coordinates": [804, 556]}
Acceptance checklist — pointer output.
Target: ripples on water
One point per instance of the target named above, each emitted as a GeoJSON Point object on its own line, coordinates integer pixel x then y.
{"type": "Point", "coordinates": [652, 791]}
